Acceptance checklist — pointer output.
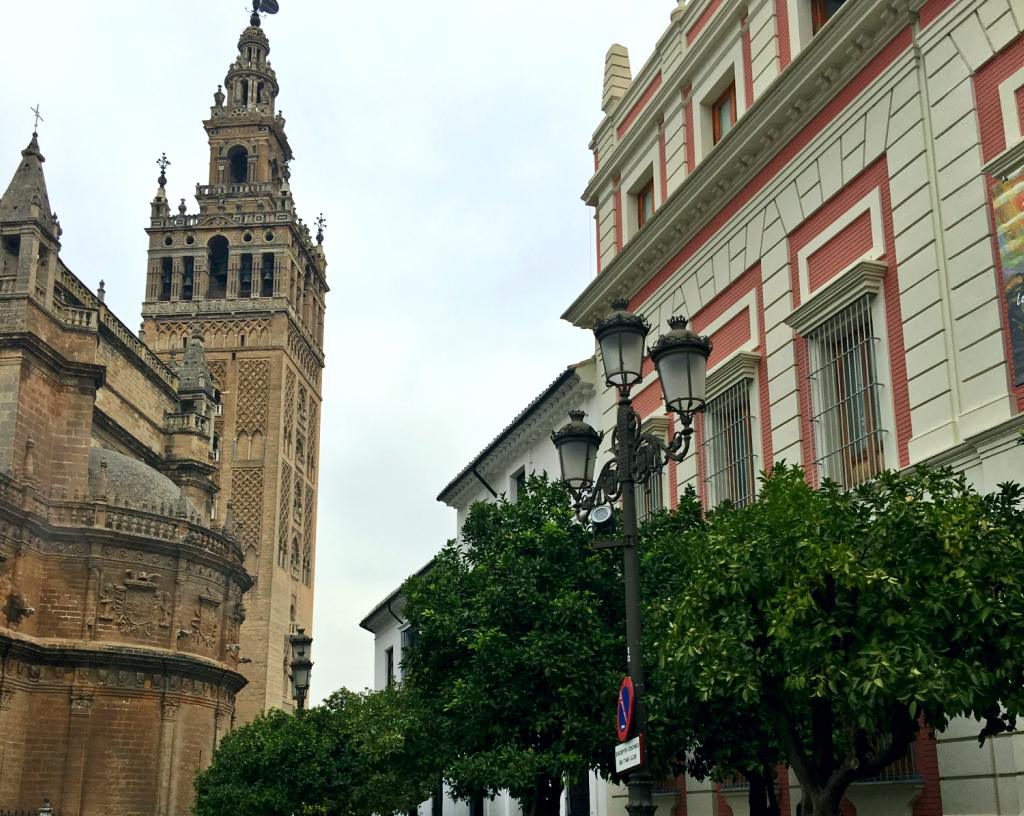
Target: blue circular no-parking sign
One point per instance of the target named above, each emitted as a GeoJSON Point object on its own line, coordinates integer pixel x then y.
{"type": "Point", "coordinates": [624, 712]}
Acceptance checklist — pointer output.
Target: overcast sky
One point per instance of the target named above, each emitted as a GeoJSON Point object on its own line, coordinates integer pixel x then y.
{"type": "Point", "coordinates": [446, 143]}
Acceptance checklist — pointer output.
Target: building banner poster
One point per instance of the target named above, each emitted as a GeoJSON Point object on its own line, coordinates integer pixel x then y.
{"type": "Point", "coordinates": [1008, 208]}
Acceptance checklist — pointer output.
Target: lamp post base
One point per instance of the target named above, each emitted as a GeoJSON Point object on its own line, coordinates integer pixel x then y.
{"type": "Point", "coordinates": [641, 795]}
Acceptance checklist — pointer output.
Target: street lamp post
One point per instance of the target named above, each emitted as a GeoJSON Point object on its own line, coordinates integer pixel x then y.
{"type": "Point", "coordinates": [301, 665]}
{"type": "Point", "coordinates": [680, 357]}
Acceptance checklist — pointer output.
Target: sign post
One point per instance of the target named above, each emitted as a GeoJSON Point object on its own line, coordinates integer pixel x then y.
{"type": "Point", "coordinates": [629, 753]}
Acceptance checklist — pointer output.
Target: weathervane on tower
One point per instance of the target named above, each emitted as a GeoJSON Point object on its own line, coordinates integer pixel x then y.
{"type": "Point", "coordinates": [264, 6]}
{"type": "Point", "coordinates": [39, 118]}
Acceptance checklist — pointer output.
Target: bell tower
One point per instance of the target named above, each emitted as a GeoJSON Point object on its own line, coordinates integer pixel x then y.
{"type": "Point", "coordinates": [246, 272]}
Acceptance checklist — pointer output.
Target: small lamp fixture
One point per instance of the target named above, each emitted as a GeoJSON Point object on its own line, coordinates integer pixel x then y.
{"type": "Point", "coordinates": [577, 445]}
{"type": "Point", "coordinates": [681, 357]}
{"type": "Point", "coordinates": [301, 665]}
{"type": "Point", "coordinates": [621, 336]}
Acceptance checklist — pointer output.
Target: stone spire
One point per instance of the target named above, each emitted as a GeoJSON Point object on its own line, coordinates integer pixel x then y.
{"type": "Point", "coordinates": [251, 82]}
{"type": "Point", "coordinates": [193, 373]}
{"type": "Point", "coordinates": [617, 76]}
{"type": "Point", "coordinates": [26, 198]}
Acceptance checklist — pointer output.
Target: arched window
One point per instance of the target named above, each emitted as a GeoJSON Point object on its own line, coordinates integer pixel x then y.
{"type": "Point", "coordinates": [267, 276]}
{"type": "Point", "coordinates": [245, 277]}
{"type": "Point", "coordinates": [166, 268]}
{"type": "Point", "coordinates": [238, 157]}
{"type": "Point", "coordinates": [218, 266]}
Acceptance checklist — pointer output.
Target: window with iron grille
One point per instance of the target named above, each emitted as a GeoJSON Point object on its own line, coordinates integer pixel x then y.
{"type": "Point", "coordinates": [650, 500]}
{"type": "Point", "coordinates": [846, 395]}
{"type": "Point", "coordinates": [731, 471]}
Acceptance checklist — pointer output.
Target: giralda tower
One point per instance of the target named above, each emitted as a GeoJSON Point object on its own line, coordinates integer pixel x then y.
{"type": "Point", "coordinates": [246, 274]}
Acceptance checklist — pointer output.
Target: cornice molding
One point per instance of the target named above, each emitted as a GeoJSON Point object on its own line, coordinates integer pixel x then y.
{"type": "Point", "coordinates": [836, 55]}
{"type": "Point", "coordinates": [864, 278]}
{"type": "Point", "coordinates": [742, 365]}
{"type": "Point", "coordinates": [1007, 164]}
{"type": "Point", "coordinates": [125, 657]}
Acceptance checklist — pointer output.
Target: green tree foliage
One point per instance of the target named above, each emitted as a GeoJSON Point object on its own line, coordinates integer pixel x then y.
{"type": "Point", "coordinates": [830, 623]}
{"type": "Point", "coordinates": [520, 649]}
{"type": "Point", "coordinates": [706, 738]}
{"type": "Point", "coordinates": [356, 755]}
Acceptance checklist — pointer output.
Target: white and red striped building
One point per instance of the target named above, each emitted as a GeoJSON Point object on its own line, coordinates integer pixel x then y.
{"type": "Point", "coordinates": [812, 183]}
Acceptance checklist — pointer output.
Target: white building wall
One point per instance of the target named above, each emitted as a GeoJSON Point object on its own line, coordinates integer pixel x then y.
{"type": "Point", "coordinates": [918, 113]}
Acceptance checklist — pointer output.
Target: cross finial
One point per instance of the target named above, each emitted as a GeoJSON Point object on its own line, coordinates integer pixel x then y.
{"type": "Point", "coordinates": [321, 225]}
{"type": "Point", "coordinates": [39, 118]}
{"type": "Point", "coordinates": [163, 163]}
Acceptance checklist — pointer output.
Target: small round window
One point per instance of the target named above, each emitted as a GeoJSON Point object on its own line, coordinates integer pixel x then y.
{"type": "Point", "coordinates": [269, 236]}
{"type": "Point", "coordinates": [190, 239]}
{"type": "Point", "coordinates": [247, 237]}
{"type": "Point", "coordinates": [168, 240]}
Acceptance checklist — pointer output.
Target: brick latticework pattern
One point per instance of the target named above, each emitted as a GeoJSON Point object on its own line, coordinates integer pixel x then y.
{"type": "Point", "coordinates": [247, 496]}
{"type": "Point", "coordinates": [253, 393]}
{"type": "Point", "coordinates": [284, 525]}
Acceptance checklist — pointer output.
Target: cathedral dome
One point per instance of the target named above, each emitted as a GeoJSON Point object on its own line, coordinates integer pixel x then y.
{"type": "Point", "coordinates": [132, 482]}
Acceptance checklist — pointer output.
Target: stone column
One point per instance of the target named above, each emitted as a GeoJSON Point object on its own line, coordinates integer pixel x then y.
{"type": "Point", "coordinates": [76, 748]}
{"type": "Point", "coordinates": [176, 279]}
{"type": "Point", "coordinates": [165, 793]}
{"type": "Point", "coordinates": [233, 267]}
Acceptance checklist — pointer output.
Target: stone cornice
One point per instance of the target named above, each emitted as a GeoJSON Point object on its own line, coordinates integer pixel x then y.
{"type": "Point", "coordinates": [124, 657]}
{"type": "Point", "coordinates": [834, 57]}
{"type": "Point", "coordinates": [865, 278]}
{"type": "Point", "coordinates": [1007, 164]}
{"type": "Point", "coordinates": [737, 367]}
{"type": "Point", "coordinates": [88, 374]}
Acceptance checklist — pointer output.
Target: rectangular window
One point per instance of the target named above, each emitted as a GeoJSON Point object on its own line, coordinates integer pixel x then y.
{"type": "Point", "coordinates": [822, 11]}
{"type": "Point", "coordinates": [519, 484]}
{"type": "Point", "coordinates": [731, 472]}
{"type": "Point", "coordinates": [845, 396]}
{"type": "Point", "coordinates": [645, 204]}
{"type": "Point", "coordinates": [389, 666]}
{"type": "Point", "coordinates": [723, 113]}
{"type": "Point", "coordinates": [408, 638]}
{"type": "Point", "coordinates": [650, 499]}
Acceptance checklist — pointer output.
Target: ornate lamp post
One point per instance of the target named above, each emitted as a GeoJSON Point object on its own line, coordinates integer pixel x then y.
{"type": "Point", "coordinates": [681, 358]}
{"type": "Point", "coordinates": [302, 666]}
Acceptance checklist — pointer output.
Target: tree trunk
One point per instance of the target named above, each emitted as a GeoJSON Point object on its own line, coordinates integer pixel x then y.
{"type": "Point", "coordinates": [761, 797]}
{"type": "Point", "coordinates": [819, 803]}
{"type": "Point", "coordinates": [547, 797]}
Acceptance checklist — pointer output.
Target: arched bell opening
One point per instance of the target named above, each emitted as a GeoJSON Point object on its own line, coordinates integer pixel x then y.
{"type": "Point", "coordinates": [238, 164]}
{"type": "Point", "coordinates": [218, 250]}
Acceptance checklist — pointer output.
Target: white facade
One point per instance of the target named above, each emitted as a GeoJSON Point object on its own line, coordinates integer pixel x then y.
{"type": "Point", "coordinates": [522, 449]}
{"type": "Point", "coordinates": [847, 208]}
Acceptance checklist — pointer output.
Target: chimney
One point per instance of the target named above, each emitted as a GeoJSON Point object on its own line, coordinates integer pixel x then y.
{"type": "Point", "coordinates": [617, 77]}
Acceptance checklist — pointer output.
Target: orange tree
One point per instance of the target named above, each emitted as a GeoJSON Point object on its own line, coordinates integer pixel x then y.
{"type": "Point", "coordinates": [830, 623]}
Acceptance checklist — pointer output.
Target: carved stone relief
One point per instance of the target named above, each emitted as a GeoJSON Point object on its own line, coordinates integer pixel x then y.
{"type": "Point", "coordinates": [137, 606]}
{"type": "Point", "coordinates": [204, 623]}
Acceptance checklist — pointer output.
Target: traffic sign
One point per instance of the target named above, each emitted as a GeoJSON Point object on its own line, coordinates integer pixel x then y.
{"type": "Point", "coordinates": [625, 709]}
{"type": "Point", "coordinates": [629, 754]}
